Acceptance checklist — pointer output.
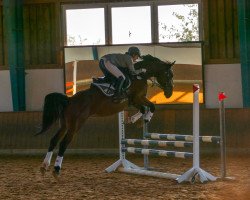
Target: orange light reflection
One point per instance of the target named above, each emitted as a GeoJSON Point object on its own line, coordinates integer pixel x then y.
{"type": "Point", "coordinates": [177, 97]}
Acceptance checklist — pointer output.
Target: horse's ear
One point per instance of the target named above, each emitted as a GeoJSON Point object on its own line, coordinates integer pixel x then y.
{"type": "Point", "coordinates": [173, 63]}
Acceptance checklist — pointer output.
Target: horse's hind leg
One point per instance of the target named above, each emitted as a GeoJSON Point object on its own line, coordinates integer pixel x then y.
{"type": "Point", "coordinates": [74, 123]}
{"type": "Point", "coordinates": [73, 129]}
{"type": "Point", "coordinates": [62, 148]}
{"type": "Point", "coordinates": [53, 142]}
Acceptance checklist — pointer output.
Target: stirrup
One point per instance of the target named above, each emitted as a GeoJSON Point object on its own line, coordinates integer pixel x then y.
{"type": "Point", "coordinates": [100, 80]}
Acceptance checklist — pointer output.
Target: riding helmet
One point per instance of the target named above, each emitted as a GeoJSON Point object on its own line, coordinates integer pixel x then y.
{"type": "Point", "coordinates": [134, 51]}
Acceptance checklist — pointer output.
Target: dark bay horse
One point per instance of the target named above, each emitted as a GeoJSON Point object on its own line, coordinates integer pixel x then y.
{"type": "Point", "coordinates": [73, 111]}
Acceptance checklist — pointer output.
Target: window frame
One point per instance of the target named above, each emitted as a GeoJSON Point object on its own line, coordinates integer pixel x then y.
{"type": "Point", "coordinates": [181, 2]}
{"type": "Point", "coordinates": [129, 4]}
{"type": "Point", "coordinates": [154, 20]}
{"type": "Point", "coordinates": [81, 6]}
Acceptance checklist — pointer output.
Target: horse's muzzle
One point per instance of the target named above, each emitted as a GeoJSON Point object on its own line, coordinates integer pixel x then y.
{"type": "Point", "coordinates": [168, 91]}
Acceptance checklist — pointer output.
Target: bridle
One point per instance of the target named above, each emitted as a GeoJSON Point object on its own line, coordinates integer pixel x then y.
{"type": "Point", "coordinates": [155, 83]}
{"type": "Point", "coordinates": [151, 77]}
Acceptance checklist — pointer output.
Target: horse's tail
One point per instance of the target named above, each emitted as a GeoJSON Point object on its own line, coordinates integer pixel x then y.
{"type": "Point", "coordinates": [54, 105]}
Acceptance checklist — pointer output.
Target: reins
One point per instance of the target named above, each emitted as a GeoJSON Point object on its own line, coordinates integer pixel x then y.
{"type": "Point", "coordinates": [155, 83]}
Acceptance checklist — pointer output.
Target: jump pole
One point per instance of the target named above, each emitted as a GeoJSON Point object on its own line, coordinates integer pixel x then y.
{"type": "Point", "coordinates": [145, 132]}
{"type": "Point", "coordinates": [122, 160]}
{"type": "Point", "coordinates": [196, 170]}
{"type": "Point", "coordinates": [74, 76]}
{"type": "Point", "coordinates": [126, 166]}
{"type": "Point", "coordinates": [221, 98]}
{"type": "Point", "coordinates": [123, 165]}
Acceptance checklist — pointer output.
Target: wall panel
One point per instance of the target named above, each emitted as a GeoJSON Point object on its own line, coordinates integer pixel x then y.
{"type": "Point", "coordinates": [221, 32]}
{"type": "Point", "coordinates": [39, 34]}
{"type": "Point", "coordinates": [1, 39]}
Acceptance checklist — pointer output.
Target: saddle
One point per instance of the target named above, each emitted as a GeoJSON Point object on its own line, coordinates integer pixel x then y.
{"type": "Point", "coordinates": [107, 86]}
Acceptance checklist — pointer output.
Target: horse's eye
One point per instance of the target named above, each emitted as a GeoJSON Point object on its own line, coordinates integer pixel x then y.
{"type": "Point", "coordinates": [169, 75]}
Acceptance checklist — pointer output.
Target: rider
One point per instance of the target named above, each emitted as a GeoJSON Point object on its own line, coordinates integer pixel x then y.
{"type": "Point", "coordinates": [109, 65]}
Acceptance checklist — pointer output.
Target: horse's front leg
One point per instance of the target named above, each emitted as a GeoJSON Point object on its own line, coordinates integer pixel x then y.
{"type": "Point", "coordinates": [142, 103]}
{"type": "Point", "coordinates": [148, 113]}
{"type": "Point", "coordinates": [135, 117]}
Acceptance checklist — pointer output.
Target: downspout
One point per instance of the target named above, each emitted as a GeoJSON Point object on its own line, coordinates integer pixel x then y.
{"type": "Point", "coordinates": [95, 53]}
{"type": "Point", "coordinates": [13, 30]}
{"type": "Point", "coordinates": [244, 33]}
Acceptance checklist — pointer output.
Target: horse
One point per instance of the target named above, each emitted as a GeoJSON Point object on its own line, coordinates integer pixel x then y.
{"type": "Point", "coordinates": [73, 111]}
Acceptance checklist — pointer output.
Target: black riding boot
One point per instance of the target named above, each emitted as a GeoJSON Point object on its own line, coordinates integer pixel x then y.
{"type": "Point", "coordinates": [119, 95]}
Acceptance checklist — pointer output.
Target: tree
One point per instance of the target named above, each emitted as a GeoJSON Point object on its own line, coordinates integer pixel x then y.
{"type": "Point", "coordinates": [78, 40]}
{"type": "Point", "coordinates": [186, 29]}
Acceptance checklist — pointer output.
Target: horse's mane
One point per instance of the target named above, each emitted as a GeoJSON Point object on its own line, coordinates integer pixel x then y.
{"type": "Point", "coordinates": [150, 58]}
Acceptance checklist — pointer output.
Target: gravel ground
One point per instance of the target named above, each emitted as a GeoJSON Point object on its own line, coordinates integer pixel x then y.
{"type": "Point", "coordinates": [83, 177]}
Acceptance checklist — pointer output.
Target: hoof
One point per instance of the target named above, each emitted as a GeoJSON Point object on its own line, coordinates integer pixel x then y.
{"type": "Point", "coordinates": [56, 172]}
{"type": "Point", "coordinates": [56, 175]}
{"type": "Point", "coordinates": [43, 170]}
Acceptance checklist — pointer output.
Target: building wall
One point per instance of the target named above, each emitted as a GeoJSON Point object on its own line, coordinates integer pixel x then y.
{"type": "Point", "coordinates": [44, 63]}
{"type": "Point", "coordinates": [44, 47]}
{"type": "Point", "coordinates": [221, 35]}
{"type": "Point", "coordinates": [42, 31]}
{"type": "Point", "coordinates": [181, 55]}
{"type": "Point", "coordinates": [2, 55]}
{"type": "Point", "coordinates": [223, 78]}
{"type": "Point", "coordinates": [5, 91]}
{"type": "Point", "coordinates": [222, 69]}
{"type": "Point", "coordinates": [101, 134]}
{"type": "Point", "coordinates": [39, 83]}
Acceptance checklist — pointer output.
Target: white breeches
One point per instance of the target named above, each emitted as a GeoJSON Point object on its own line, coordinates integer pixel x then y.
{"type": "Point", "coordinates": [113, 69]}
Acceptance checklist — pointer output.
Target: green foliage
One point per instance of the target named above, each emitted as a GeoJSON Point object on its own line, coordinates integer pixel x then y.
{"type": "Point", "coordinates": [188, 29]}
{"type": "Point", "coordinates": [72, 40]}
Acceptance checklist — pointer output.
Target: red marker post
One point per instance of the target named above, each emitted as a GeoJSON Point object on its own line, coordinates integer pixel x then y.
{"type": "Point", "coordinates": [222, 97]}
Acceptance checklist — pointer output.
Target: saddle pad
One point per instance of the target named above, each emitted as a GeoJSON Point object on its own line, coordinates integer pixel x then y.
{"type": "Point", "coordinates": [106, 88]}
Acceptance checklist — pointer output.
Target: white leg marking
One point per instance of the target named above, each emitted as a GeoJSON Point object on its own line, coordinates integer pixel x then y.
{"type": "Point", "coordinates": [58, 161]}
{"type": "Point", "coordinates": [135, 117]}
{"type": "Point", "coordinates": [148, 116]}
{"type": "Point", "coordinates": [47, 159]}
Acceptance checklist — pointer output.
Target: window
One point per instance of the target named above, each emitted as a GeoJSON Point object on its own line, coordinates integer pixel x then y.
{"type": "Point", "coordinates": [131, 25]}
{"type": "Point", "coordinates": [178, 23]}
{"type": "Point", "coordinates": [85, 26]}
